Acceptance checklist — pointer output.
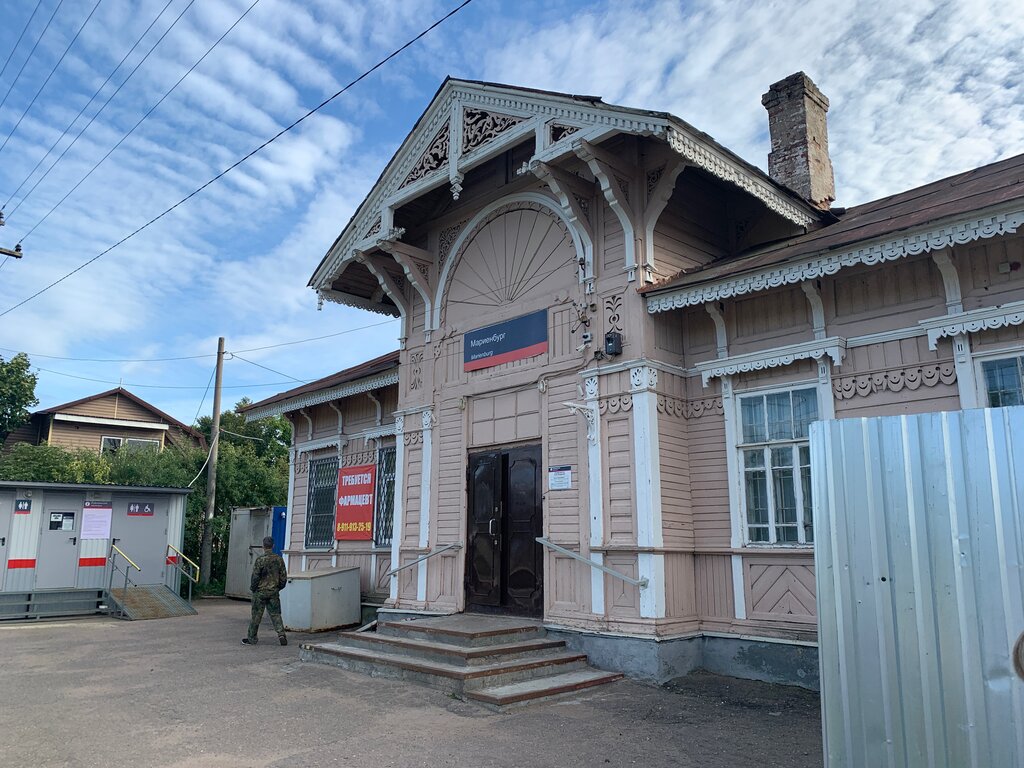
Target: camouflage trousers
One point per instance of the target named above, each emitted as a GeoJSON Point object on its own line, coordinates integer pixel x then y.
{"type": "Point", "coordinates": [271, 601]}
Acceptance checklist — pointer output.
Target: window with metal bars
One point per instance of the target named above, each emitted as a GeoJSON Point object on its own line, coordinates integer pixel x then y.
{"type": "Point", "coordinates": [384, 515]}
{"type": "Point", "coordinates": [775, 457]}
{"type": "Point", "coordinates": [320, 502]}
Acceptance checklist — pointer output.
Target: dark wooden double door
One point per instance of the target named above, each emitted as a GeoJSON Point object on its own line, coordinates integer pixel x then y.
{"type": "Point", "coordinates": [504, 562]}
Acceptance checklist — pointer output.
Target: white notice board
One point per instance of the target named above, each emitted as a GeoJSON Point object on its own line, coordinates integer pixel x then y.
{"type": "Point", "coordinates": [96, 520]}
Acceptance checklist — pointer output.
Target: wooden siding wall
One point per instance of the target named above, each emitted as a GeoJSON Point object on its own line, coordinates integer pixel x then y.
{"type": "Point", "coordinates": [359, 413]}
{"type": "Point", "coordinates": [693, 229]}
{"type": "Point", "coordinates": [114, 406]}
{"type": "Point", "coordinates": [68, 434]}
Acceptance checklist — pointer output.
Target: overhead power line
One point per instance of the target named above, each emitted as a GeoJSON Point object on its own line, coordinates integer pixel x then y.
{"type": "Point", "coordinates": [236, 356]}
{"type": "Point", "coordinates": [30, 55]}
{"type": "Point", "coordinates": [237, 163]}
{"type": "Point", "coordinates": [89, 104]}
{"type": "Point", "coordinates": [20, 37]}
{"type": "Point", "coordinates": [159, 386]}
{"type": "Point", "coordinates": [52, 70]}
{"type": "Point", "coordinates": [137, 124]}
{"type": "Point", "coordinates": [191, 357]}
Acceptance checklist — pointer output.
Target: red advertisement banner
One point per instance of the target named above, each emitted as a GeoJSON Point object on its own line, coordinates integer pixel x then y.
{"type": "Point", "coordinates": [353, 517]}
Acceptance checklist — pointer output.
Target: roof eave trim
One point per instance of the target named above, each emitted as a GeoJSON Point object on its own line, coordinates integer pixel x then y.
{"type": "Point", "coordinates": [706, 157]}
{"type": "Point", "coordinates": [318, 397]}
{"type": "Point", "coordinates": [933, 237]}
{"type": "Point", "coordinates": [351, 300]}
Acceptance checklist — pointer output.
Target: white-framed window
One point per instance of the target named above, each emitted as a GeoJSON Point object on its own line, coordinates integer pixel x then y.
{"type": "Point", "coordinates": [112, 444]}
{"type": "Point", "coordinates": [138, 442]}
{"type": "Point", "coordinates": [775, 465]}
{"type": "Point", "coordinates": [1002, 380]}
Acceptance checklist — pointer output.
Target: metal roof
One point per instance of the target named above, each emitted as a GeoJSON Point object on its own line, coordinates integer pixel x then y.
{"type": "Point", "coordinates": [92, 487]}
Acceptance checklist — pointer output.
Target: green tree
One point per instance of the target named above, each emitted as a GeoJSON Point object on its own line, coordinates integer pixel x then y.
{"type": "Point", "coordinates": [17, 393]}
{"type": "Point", "coordinates": [269, 437]}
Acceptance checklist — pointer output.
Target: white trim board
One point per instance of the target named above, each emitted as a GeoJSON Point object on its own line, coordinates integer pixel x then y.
{"type": "Point", "coordinates": [111, 422]}
{"type": "Point", "coordinates": [909, 243]}
{"type": "Point", "coordinates": [320, 396]}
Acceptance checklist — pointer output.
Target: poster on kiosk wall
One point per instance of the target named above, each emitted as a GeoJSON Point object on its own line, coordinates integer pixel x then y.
{"type": "Point", "coordinates": [353, 519]}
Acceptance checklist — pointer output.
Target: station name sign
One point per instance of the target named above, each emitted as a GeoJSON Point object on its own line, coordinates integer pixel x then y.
{"type": "Point", "coordinates": [515, 339]}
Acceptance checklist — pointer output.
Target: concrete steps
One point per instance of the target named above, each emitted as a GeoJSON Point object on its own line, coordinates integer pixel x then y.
{"type": "Point", "coordinates": [496, 661]}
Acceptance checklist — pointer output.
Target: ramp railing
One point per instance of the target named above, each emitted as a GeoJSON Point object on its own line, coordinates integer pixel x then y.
{"type": "Point", "coordinates": [185, 566]}
{"type": "Point", "coordinates": [125, 568]}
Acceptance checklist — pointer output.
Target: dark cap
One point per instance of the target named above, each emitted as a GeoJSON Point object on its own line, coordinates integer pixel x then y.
{"type": "Point", "coordinates": [268, 542]}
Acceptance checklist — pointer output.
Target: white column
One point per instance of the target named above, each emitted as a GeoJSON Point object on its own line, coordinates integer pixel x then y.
{"type": "Point", "coordinates": [735, 489]}
{"type": "Point", "coordinates": [396, 524]}
{"type": "Point", "coordinates": [428, 431]}
{"type": "Point", "coordinates": [647, 458]}
{"type": "Point", "coordinates": [966, 383]}
{"type": "Point", "coordinates": [595, 486]}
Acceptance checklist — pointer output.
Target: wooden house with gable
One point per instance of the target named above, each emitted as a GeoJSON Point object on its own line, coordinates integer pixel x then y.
{"type": "Point", "coordinates": [615, 333]}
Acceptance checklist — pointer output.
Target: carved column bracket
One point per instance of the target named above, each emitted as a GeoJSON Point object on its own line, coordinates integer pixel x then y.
{"type": "Point", "coordinates": [416, 263]}
{"type": "Point", "coordinates": [589, 412]}
{"type": "Point", "coordinates": [660, 184]}
{"type": "Point", "coordinates": [614, 177]}
{"type": "Point", "coordinates": [574, 195]}
{"type": "Point", "coordinates": [378, 268]}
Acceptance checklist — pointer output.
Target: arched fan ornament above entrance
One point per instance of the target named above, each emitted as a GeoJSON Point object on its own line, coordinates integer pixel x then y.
{"type": "Point", "coordinates": [519, 248]}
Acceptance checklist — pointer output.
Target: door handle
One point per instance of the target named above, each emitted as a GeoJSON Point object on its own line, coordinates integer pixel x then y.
{"type": "Point", "coordinates": [73, 540]}
{"type": "Point", "coordinates": [490, 526]}
{"type": "Point", "coordinates": [3, 541]}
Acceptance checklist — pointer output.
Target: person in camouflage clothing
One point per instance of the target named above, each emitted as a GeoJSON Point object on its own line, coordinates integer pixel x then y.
{"type": "Point", "coordinates": [269, 576]}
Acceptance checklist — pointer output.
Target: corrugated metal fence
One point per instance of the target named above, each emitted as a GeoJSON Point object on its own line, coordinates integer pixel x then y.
{"type": "Point", "coordinates": [920, 544]}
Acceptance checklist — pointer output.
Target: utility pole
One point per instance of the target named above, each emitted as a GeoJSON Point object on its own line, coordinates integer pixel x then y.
{"type": "Point", "coordinates": [206, 549]}
{"type": "Point", "coordinates": [14, 254]}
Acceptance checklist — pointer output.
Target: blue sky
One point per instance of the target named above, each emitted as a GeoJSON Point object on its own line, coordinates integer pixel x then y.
{"type": "Point", "coordinates": [919, 90]}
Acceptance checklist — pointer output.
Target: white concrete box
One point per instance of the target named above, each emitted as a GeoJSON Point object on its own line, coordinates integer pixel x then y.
{"type": "Point", "coordinates": [318, 600]}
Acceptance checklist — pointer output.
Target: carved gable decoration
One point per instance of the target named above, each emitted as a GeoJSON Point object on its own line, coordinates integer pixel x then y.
{"type": "Point", "coordinates": [435, 157]}
{"type": "Point", "coordinates": [558, 131]}
{"type": "Point", "coordinates": [479, 127]}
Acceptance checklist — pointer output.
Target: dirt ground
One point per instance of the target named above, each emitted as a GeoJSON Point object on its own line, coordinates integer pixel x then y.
{"type": "Point", "coordinates": [185, 692]}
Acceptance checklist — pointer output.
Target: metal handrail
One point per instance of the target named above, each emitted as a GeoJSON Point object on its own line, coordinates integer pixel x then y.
{"type": "Point", "coordinates": [417, 561]}
{"type": "Point", "coordinates": [191, 574]}
{"type": "Point", "coordinates": [641, 582]}
{"type": "Point", "coordinates": [112, 559]}
{"type": "Point", "coordinates": [115, 548]}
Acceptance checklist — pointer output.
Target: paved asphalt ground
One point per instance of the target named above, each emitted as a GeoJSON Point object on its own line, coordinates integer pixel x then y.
{"type": "Point", "coordinates": [185, 692]}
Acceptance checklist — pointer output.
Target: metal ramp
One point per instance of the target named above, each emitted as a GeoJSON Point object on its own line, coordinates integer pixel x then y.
{"type": "Point", "coordinates": [154, 601]}
{"type": "Point", "coordinates": [50, 603]}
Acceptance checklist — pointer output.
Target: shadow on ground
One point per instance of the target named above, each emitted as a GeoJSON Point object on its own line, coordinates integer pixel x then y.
{"type": "Point", "coordinates": [185, 692]}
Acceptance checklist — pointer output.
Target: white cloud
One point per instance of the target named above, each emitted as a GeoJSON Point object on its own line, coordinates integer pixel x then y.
{"type": "Point", "coordinates": [918, 90]}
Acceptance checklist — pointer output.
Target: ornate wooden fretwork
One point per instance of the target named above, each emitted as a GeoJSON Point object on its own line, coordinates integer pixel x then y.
{"type": "Point", "coordinates": [689, 409]}
{"type": "Point", "coordinates": [834, 348]}
{"type": "Point", "coordinates": [480, 127]}
{"type": "Point", "coordinates": [446, 240]}
{"type": "Point", "coordinates": [374, 229]}
{"type": "Point", "coordinates": [359, 457]}
{"type": "Point", "coordinates": [711, 161]}
{"type": "Point", "coordinates": [412, 438]}
{"type": "Point", "coordinates": [985, 319]}
{"type": "Point", "coordinates": [558, 131]}
{"type": "Point", "coordinates": [653, 177]}
{"type": "Point", "coordinates": [435, 157]}
{"type": "Point", "coordinates": [613, 310]}
{"type": "Point", "coordinates": [894, 380]}
{"type": "Point", "coordinates": [416, 373]}
{"type": "Point", "coordinates": [615, 404]}
{"type": "Point", "coordinates": [907, 244]}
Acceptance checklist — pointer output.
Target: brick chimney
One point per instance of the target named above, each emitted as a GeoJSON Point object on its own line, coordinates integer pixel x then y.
{"type": "Point", "coordinates": [799, 157]}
